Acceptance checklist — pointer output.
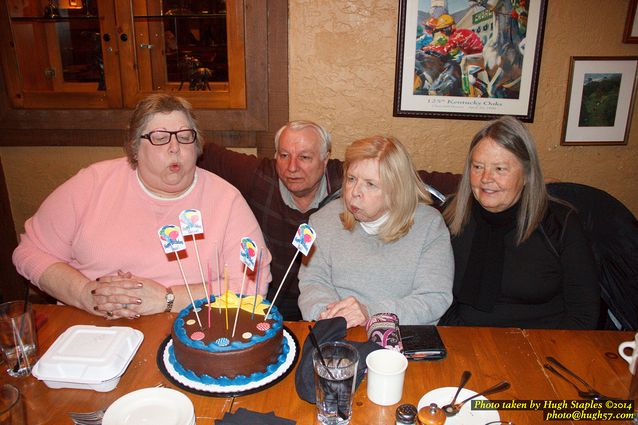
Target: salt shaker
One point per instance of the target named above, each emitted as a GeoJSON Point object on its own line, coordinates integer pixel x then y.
{"type": "Point", "coordinates": [431, 415]}
{"type": "Point", "coordinates": [406, 415]}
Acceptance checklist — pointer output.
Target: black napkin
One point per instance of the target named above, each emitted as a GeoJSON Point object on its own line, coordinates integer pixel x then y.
{"type": "Point", "coordinates": [327, 330]}
{"type": "Point", "coordinates": [244, 416]}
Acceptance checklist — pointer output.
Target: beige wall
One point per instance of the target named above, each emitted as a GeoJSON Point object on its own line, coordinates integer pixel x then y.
{"type": "Point", "coordinates": [342, 56]}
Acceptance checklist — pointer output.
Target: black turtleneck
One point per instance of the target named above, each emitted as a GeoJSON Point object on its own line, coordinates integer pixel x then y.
{"type": "Point", "coordinates": [481, 285]}
{"type": "Point", "coordinates": [529, 285]}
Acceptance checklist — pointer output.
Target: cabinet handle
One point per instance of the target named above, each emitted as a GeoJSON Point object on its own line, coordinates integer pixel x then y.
{"type": "Point", "coordinates": [123, 37]}
{"type": "Point", "coordinates": [146, 46]}
{"type": "Point", "coordinates": [106, 37]}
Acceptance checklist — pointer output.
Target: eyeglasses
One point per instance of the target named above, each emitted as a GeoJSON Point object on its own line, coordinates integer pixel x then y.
{"type": "Point", "coordinates": [162, 137]}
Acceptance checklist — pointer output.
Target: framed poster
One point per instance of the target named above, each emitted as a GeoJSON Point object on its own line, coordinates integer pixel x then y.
{"type": "Point", "coordinates": [631, 24]}
{"type": "Point", "coordinates": [599, 102]}
{"type": "Point", "coordinates": [468, 59]}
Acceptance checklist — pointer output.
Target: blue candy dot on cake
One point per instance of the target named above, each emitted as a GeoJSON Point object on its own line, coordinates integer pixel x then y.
{"type": "Point", "coordinates": [197, 310]}
{"type": "Point", "coordinates": [222, 342]}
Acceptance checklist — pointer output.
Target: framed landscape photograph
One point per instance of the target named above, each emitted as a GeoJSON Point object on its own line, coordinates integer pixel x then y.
{"type": "Point", "coordinates": [468, 59]}
{"type": "Point", "coordinates": [631, 24]}
{"type": "Point", "coordinates": [599, 101]}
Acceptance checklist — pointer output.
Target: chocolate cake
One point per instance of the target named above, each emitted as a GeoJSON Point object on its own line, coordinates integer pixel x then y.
{"type": "Point", "coordinates": [213, 355]}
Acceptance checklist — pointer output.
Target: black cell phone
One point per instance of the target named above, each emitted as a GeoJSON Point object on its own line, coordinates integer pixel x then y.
{"type": "Point", "coordinates": [422, 342]}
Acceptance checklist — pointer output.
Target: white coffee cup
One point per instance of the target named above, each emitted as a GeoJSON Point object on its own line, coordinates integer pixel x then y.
{"type": "Point", "coordinates": [386, 371]}
{"type": "Point", "coordinates": [632, 358]}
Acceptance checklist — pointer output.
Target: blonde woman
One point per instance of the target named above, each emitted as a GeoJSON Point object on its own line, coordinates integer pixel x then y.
{"type": "Point", "coordinates": [381, 248]}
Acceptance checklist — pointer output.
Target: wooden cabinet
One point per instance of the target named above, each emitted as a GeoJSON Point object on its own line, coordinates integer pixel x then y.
{"type": "Point", "coordinates": [54, 92]}
{"type": "Point", "coordinates": [112, 53]}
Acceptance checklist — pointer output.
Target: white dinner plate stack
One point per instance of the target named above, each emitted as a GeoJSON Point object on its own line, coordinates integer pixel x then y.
{"type": "Point", "coordinates": [156, 406]}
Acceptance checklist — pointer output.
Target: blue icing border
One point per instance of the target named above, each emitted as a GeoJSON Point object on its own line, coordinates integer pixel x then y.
{"type": "Point", "coordinates": [178, 328]}
{"type": "Point", "coordinates": [224, 381]}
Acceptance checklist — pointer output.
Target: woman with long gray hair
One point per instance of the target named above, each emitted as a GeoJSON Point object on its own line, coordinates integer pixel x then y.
{"type": "Point", "coordinates": [521, 257]}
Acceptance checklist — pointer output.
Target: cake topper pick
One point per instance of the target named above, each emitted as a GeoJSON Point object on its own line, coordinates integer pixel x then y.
{"type": "Point", "coordinates": [247, 255]}
{"type": "Point", "coordinates": [191, 223]}
{"type": "Point", "coordinates": [173, 242]}
{"type": "Point", "coordinates": [303, 240]}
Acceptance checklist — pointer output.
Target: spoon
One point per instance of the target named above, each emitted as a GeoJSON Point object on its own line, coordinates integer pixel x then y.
{"type": "Point", "coordinates": [503, 385]}
{"type": "Point", "coordinates": [448, 409]}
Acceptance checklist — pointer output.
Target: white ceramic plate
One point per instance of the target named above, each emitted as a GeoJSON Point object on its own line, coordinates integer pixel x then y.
{"type": "Point", "coordinates": [156, 406]}
{"type": "Point", "coordinates": [467, 416]}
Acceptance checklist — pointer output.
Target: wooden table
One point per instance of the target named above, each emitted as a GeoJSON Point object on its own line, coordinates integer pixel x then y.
{"type": "Point", "coordinates": [492, 354]}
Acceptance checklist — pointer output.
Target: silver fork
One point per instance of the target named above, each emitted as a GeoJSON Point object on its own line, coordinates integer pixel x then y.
{"type": "Point", "coordinates": [88, 418]}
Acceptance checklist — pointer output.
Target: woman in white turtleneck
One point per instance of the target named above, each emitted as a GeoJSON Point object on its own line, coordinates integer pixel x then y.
{"type": "Point", "coordinates": [381, 248]}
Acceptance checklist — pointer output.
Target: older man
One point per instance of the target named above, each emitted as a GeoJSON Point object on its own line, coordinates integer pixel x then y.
{"type": "Point", "coordinates": [283, 192]}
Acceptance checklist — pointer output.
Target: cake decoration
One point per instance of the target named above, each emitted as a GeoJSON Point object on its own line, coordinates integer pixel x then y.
{"type": "Point", "coordinates": [226, 297]}
{"type": "Point", "coordinates": [190, 322]}
{"type": "Point", "coordinates": [173, 242]}
{"type": "Point", "coordinates": [303, 240]}
{"type": "Point", "coordinates": [191, 223]}
{"type": "Point", "coordinates": [247, 255]}
{"type": "Point", "coordinates": [171, 238]}
{"type": "Point", "coordinates": [222, 342]}
{"type": "Point", "coordinates": [262, 326]}
{"type": "Point", "coordinates": [230, 300]}
{"type": "Point", "coordinates": [197, 336]}
{"type": "Point", "coordinates": [246, 335]}
{"type": "Point", "coordinates": [252, 316]}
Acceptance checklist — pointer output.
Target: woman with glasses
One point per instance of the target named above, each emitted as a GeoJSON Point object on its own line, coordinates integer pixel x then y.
{"type": "Point", "coordinates": [94, 242]}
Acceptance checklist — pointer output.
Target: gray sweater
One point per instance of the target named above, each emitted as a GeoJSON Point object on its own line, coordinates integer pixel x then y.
{"type": "Point", "coordinates": [411, 277]}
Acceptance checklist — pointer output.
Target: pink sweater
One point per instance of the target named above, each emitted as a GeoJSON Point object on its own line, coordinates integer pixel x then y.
{"type": "Point", "coordinates": [102, 220]}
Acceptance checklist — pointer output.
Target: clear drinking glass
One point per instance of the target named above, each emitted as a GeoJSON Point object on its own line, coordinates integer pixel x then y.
{"type": "Point", "coordinates": [11, 406]}
{"type": "Point", "coordinates": [17, 337]}
{"type": "Point", "coordinates": [335, 382]}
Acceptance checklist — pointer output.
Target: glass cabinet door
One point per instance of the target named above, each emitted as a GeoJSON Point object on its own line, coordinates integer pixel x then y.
{"type": "Point", "coordinates": [112, 53]}
{"type": "Point", "coordinates": [191, 47]}
{"type": "Point", "coordinates": [64, 53]}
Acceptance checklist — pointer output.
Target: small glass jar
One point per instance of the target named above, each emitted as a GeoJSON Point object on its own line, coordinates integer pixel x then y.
{"type": "Point", "coordinates": [431, 415]}
{"type": "Point", "coordinates": [406, 414]}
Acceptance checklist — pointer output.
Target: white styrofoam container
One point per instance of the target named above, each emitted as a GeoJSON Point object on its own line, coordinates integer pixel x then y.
{"type": "Point", "coordinates": [88, 357]}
